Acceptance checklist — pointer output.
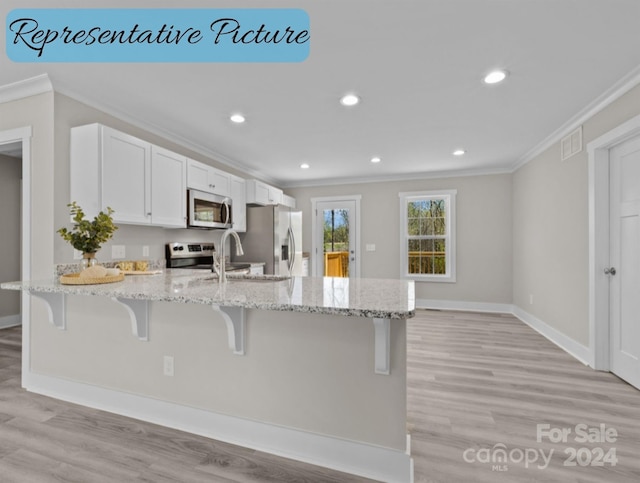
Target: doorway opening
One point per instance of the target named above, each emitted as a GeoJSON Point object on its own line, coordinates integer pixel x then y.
{"type": "Point", "coordinates": [10, 213]}
{"type": "Point", "coordinates": [19, 140]}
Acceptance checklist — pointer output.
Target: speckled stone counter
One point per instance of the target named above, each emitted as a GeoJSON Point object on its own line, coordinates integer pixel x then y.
{"type": "Point", "coordinates": [374, 298]}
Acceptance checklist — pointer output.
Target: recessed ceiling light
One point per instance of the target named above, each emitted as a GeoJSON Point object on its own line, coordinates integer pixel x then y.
{"type": "Point", "coordinates": [375, 159]}
{"type": "Point", "coordinates": [304, 166]}
{"type": "Point", "coordinates": [459, 152]}
{"type": "Point", "coordinates": [349, 100]}
{"type": "Point", "coordinates": [495, 76]}
{"type": "Point", "coordinates": [237, 118]}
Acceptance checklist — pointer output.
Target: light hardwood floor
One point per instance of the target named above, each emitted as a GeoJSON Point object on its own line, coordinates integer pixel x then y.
{"type": "Point", "coordinates": [474, 381]}
{"type": "Point", "coordinates": [480, 380]}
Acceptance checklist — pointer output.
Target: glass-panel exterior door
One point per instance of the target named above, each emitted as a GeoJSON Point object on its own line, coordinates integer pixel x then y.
{"type": "Point", "coordinates": [336, 222]}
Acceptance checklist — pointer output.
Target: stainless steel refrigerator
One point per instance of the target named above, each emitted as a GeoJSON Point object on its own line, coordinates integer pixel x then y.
{"type": "Point", "coordinates": [273, 236]}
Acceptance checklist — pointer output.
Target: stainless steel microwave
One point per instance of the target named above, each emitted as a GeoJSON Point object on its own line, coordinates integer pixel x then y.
{"type": "Point", "coordinates": [206, 210]}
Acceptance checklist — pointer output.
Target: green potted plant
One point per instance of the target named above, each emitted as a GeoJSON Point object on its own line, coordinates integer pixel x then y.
{"type": "Point", "coordinates": [88, 236]}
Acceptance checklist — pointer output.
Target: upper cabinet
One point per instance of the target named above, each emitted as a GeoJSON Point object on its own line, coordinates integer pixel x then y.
{"type": "Point", "coordinates": [144, 184]}
{"type": "Point", "coordinates": [168, 188]}
{"type": "Point", "coordinates": [206, 178]}
{"type": "Point", "coordinates": [288, 201]}
{"type": "Point", "coordinates": [259, 193]}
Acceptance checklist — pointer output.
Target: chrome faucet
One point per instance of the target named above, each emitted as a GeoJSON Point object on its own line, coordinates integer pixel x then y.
{"type": "Point", "coordinates": [219, 258]}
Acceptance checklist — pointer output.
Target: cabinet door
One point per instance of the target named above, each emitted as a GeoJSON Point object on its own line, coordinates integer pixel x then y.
{"type": "Point", "coordinates": [220, 182]}
{"type": "Point", "coordinates": [288, 201]}
{"type": "Point", "coordinates": [239, 206]}
{"type": "Point", "coordinates": [275, 195]}
{"type": "Point", "coordinates": [198, 176]}
{"type": "Point", "coordinates": [257, 192]}
{"type": "Point", "coordinates": [125, 177]}
{"type": "Point", "coordinates": [168, 188]}
{"type": "Point", "coordinates": [257, 270]}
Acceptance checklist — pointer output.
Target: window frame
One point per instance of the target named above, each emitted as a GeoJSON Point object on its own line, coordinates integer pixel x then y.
{"type": "Point", "coordinates": [450, 238]}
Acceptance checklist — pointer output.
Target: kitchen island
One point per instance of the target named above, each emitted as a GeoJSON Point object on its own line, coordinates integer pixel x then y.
{"type": "Point", "coordinates": [308, 368]}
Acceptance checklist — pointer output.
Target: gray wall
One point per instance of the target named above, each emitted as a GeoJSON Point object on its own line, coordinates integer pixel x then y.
{"type": "Point", "coordinates": [484, 229]}
{"type": "Point", "coordinates": [10, 173]}
{"type": "Point", "coordinates": [550, 229]}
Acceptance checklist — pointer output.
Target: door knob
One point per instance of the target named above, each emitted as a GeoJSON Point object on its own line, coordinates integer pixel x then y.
{"type": "Point", "coordinates": [610, 271]}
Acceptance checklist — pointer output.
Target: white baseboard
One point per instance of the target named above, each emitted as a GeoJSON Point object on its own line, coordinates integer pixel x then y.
{"type": "Point", "coordinates": [360, 459]}
{"type": "Point", "coordinates": [464, 306]}
{"type": "Point", "coordinates": [577, 350]}
{"type": "Point", "coordinates": [10, 321]}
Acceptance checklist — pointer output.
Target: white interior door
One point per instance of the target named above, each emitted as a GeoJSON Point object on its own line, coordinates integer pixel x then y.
{"type": "Point", "coordinates": [624, 272]}
{"type": "Point", "coordinates": [336, 244]}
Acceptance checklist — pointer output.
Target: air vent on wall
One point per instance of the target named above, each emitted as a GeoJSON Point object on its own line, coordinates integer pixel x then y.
{"type": "Point", "coordinates": [571, 144]}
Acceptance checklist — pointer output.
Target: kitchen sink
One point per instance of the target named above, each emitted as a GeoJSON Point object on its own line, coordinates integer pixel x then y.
{"type": "Point", "coordinates": [245, 277]}
{"type": "Point", "coordinates": [255, 278]}
{"type": "Point", "coordinates": [237, 266]}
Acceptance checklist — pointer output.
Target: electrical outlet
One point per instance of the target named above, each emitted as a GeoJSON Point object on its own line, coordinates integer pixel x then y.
{"type": "Point", "coordinates": [530, 299]}
{"type": "Point", "coordinates": [145, 250]}
{"type": "Point", "coordinates": [77, 254]}
{"type": "Point", "coordinates": [370, 247]}
{"type": "Point", "coordinates": [118, 251]}
{"type": "Point", "coordinates": [168, 365]}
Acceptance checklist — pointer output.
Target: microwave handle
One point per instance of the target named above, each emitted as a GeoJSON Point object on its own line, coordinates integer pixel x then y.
{"type": "Point", "coordinates": [227, 211]}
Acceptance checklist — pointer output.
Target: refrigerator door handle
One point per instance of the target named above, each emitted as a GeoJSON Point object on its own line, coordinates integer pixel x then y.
{"type": "Point", "coordinates": [292, 250]}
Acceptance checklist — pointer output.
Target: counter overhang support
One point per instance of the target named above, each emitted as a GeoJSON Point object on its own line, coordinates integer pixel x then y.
{"type": "Point", "coordinates": [234, 319]}
{"type": "Point", "coordinates": [55, 303]}
{"type": "Point", "coordinates": [138, 311]}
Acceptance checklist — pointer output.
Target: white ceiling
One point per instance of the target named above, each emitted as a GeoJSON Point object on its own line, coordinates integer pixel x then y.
{"type": "Point", "coordinates": [417, 65]}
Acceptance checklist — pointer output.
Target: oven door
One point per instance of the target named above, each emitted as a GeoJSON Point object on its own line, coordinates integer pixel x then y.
{"type": "Point", "coordinates": [207, 210]}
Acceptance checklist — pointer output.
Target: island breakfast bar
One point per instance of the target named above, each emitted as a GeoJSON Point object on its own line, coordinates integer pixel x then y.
{"type": "Point", "coordinates": [309, 368]}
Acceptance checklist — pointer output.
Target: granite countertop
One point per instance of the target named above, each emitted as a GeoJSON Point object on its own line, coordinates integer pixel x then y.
{"type": "Point", "coordinates": [360, 297]}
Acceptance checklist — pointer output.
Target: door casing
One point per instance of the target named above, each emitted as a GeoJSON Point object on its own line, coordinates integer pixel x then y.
{"type": "Point", "coordinates": [315, 246]}
{"type": "Point", "coordinates": [23, 135]}
{"type": "Point", "coordinates": [599, 249]}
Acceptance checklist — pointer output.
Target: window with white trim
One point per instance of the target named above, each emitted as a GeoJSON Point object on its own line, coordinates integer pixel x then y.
{"type": "Point", "coordinates": [427, 235]}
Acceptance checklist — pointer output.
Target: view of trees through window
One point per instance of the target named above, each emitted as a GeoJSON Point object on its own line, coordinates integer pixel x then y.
{"type": "Point", "coordinates": [426, 236]}
{"type": "Point", "coordinates": [336, 243]}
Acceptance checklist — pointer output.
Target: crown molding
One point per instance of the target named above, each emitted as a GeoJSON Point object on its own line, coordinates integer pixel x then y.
{"type": "Point", "coordinates": [25, 88]}
{"type": "Point", "coordinates": [403, 177]}
{"type": "Point", "coordinates": [617, 90]}
{"type": "Point", "coordinates": [165, 134]}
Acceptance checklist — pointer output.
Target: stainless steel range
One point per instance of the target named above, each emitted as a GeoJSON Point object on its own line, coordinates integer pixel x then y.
{"type": "Point", "coordinates": [197, 256]}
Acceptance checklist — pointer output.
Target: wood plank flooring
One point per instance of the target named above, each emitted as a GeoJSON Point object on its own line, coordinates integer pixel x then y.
{"type": "Point", "coordinates": [480, 380]}
{"type": "Point", "coordinates": [476, 383]}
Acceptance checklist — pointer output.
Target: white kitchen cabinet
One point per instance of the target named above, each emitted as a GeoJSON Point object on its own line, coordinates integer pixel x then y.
{"type": "Point", "coordinates": [256, 269]}
{"type": "Point", "coordinates": [125, 176]}
{"type": "Point", "coordinates": [288, 201]}
{"type": "Point", "coordinates": [144, 184]}
{"type": "Point", "coordinates": [206, 178]}
{"type": "Point", "coordinates": [168, 188]}
{"type": "Point", "coordinates": [239, 203]}
{"type": "Point", "coordinates": [259, 193]}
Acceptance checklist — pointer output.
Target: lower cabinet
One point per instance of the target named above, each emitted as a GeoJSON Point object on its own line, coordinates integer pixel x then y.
{"type": "Point", "coordinates": [256, 270]}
